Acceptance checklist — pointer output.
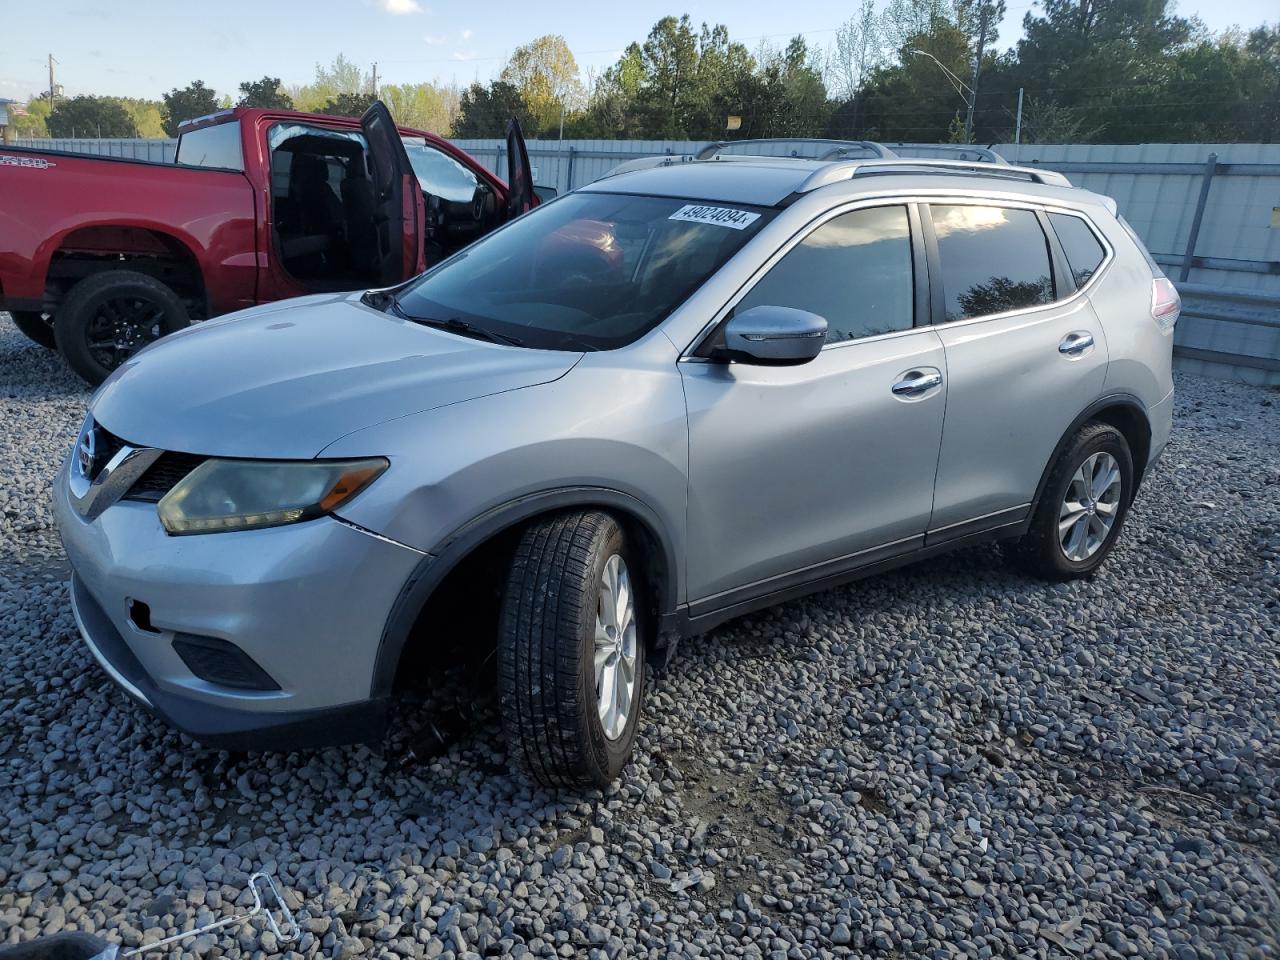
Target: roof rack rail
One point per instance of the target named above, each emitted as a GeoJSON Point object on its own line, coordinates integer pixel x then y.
{"type": "Point", "coordinates": [848, 169]}
{"type": "Point", "coordinates": [947, 151]}
{"type": "Point", "coordinates": [721, 148]}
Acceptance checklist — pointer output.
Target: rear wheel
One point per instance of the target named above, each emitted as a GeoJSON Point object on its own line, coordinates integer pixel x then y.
{"type": "Point", "coordinates": [106, 318]}
{"type": "Point", "coordinates": [1083, 506]}
{"type": "Point", "coordinates": [571, 650]}
{"type": "Point", "coordinates": [36, 325]}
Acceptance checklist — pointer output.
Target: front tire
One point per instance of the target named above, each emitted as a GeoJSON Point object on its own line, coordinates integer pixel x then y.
{"type": "Point", "coordinates": [37, 326]}
{"type": "Point", "coordinates": [108, 317]}
{"type": "Point", "coordinates": [1082, 509]}
{"type": "Point", "coordinates": [571, 650]}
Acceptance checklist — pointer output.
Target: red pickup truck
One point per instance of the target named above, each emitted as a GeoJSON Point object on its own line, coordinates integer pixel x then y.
{"type": "Point", "coordinates": [99, 256]}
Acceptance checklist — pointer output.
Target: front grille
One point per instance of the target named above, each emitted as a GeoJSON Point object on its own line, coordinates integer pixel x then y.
{"type": "Point", "coordinates": [163, 475]}
{"type": "Point", "coordinates": [106, 446]}
{"type": "Point", "coordinates": [221, 662]}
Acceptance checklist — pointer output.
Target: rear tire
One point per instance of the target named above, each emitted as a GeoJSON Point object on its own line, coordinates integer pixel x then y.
{"type": "Point", "coordinates": [36, 325]}
{"type": "Point", "coordinates": [108, 317]}
{"type": "Point", "coordinates": [558, 642]}
{"type": "Point", "coordinates": [1082, 509]}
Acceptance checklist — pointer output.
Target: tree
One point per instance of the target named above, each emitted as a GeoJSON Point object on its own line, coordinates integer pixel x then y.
{"type": "Point", "coordinates": [425, 106]}
{"type": "Point", "coordinates": [484, 111]}
{"type": "Point", "coordinates": [859, 49]}
{"type": "Point", "coordinates": [912, 100]}
{"type": "Point", "coordinates": [331, 82]}
{"type": "Point", "coordinates": [546, 74]}
{"type": "Point", "coordinates": [193, 100]}
{"type": "Point", "coordinates": [91, 117]}
{"type": "Point", "coordinates": [266, 92]}
{"type": "Point", "coordinates": [33, 121]}
{"type": "Point", "coordinates": [347, 105]}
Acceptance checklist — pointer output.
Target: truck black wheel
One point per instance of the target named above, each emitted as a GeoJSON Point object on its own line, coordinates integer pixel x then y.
{"type": "Point", "coordinates": [36, 325]}
{"type": "Point", "coordinates": [571, 650]}
{"type": "Point", "coordinates": [110, 316]}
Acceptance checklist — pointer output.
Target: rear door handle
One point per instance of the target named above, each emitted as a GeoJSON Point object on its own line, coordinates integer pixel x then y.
{"type": "Point", "coordinates": [917, 382]}
{"type": "Point", "coordinates": [1074, 344]}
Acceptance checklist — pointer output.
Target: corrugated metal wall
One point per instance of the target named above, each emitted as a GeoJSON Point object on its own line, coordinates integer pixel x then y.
{"type": "Point", "coordinates": [160, 151]}
{"type": "Point", "coordinates": [1241, 221]}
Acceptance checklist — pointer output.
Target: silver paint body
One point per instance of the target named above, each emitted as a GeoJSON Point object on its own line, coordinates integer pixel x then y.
{"type": "Point", "coordinates": [753, 472]}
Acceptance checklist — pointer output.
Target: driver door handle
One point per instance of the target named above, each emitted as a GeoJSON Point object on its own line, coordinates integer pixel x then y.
{"type": "Point", "coordinates": [1074, 344]}
{"type": "Point", "coordinates": [917, 382]}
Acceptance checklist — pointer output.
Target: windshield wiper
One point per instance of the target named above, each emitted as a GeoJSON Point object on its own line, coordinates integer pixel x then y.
{"type": "Point", "coordinates": [462, 327]}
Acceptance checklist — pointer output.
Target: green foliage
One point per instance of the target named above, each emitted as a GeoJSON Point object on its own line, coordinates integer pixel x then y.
{"type": "Point", "coordinates": [485, 110]}
{"type": "Point", "coordinates": [266, 92]}
{"type": "Point", "coordinates": [193, 100]}
{"type": "Point", "coordinates": [91, 117]}
{"type": "Point", "coordinates": [347, 104]}
{"type": "Point", "coordinates": [34, 121]}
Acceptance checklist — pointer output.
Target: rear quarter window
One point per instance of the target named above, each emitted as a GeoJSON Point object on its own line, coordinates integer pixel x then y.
{"type": "Point", "coordinates": [216, 146]}
{"type": "Point", "coordinates": [1084, 250]}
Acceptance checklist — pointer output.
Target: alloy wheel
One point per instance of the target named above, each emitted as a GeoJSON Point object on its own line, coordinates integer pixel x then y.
{"type": "Point", "coordinates": [1090, 507]}
{"type": "Point", "coordinates": [121, 326]}
{"type": "Point", "coordinates": [615, 647]}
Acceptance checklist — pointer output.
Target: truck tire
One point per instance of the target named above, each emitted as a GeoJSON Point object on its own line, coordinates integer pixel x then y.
{"type": "Point", "coordinates": [36, 325]}
{"type": "Point", "coordinates": [571, 650]}
{"type": "Point", "coordinates": [108, 317]}
{"type": "Point", "coordinates": [1083, 507]}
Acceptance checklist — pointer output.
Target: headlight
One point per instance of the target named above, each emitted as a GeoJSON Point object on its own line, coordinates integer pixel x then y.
{"type": "Point", "coordinates": [221, 495]}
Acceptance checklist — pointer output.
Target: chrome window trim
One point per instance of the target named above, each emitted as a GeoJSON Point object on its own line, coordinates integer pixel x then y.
{"type": "Point", "coordinates": [1079, 293]}
{"type": "Point", "coordinates": [793, 241]}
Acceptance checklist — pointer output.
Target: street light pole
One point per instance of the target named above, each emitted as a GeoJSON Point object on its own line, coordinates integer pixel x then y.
{"type": "Point", "coordinates": [962, 88]}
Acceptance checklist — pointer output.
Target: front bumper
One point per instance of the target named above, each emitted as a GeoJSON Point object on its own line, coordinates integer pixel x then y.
{"type": "Point", "coordinates": [307, 603]}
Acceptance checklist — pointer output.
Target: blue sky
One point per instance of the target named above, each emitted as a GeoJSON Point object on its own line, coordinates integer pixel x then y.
{"type": "Point", "coordinates": [142, 48]}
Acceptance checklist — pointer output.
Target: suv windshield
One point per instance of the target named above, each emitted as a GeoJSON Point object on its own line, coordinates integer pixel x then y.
{"type": "Point", "coordinates": [591, 271]}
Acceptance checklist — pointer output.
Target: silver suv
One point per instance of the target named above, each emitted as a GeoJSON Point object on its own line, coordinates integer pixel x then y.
{"type": "Point", "coordinates": [672, 397]}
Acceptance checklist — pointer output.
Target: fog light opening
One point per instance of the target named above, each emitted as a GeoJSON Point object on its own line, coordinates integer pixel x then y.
{"type": "Point", "coordinates": [140, 616]}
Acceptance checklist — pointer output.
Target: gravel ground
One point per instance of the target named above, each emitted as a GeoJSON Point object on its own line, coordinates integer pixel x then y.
{"type": "Point", "coordinates": [950, 760]}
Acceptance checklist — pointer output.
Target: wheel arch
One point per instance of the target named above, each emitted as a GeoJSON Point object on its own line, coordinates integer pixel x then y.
{"type": "Point", "coordinates": [1126, 413]}
{"type": "Point", "coordinates": [638, 519]}
{"type": "Point", "coordinates": [154, 249]}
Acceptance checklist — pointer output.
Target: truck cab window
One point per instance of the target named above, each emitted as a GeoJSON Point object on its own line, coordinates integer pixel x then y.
{"type": "Point", "coordinates": [213, 146]}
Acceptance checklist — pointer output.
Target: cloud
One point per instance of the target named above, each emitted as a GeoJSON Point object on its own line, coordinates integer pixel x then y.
{"type": "Point", "coordinates": [466, 34]}
{"type": "Point", "coordinates": [401, 6]}
{"type": "Point", "coordinates": [435, 39]}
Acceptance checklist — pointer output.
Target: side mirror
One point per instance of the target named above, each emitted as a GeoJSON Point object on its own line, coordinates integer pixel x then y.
{"type": "Point", "coordinates": [545, 193]}
{"type": "Point", "coordinates": [777, 336]}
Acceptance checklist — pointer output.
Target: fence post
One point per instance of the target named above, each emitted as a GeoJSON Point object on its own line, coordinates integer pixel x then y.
{"type": "Point", "coordinates": [568, 180]}
{"type": "Point", "coordinates": [1210, 168]}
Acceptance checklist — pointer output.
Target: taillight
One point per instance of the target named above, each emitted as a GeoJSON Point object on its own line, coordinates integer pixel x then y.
{"type": "Point", "coordinates": [1166, 305]}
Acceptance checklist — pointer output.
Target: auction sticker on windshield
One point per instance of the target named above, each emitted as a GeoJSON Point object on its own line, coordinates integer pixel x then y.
{"type": "Point", "coordinates": [720, 216]}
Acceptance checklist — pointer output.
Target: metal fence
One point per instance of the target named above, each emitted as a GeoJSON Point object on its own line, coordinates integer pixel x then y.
{"type": "Point", "coordinates": [1210, 214]}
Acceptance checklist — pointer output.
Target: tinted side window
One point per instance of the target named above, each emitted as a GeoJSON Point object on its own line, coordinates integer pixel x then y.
{"type": "Point", "coordinates": [855, 270]}
{"type": "Point", "coordinates": [1084, 253]}
{"type": "Point", "coordinates": [993, 259]}
{"type": "Point", "coordinates": [216, 146]}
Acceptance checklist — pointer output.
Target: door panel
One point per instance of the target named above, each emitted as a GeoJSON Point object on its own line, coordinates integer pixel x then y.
{"type": "Point", "coordinates": [520, 195]}
{"type": "Point", "coordinates": [1021, 364]}
{"type": "Point", "coordinates": [794, 466]}
{"type": "Point", "coordinates": [1011, 394]}
{"type": "Point", "coordinates": [397, 199]}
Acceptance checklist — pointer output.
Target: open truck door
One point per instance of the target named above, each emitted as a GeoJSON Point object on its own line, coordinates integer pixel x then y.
{"type": "Point", "coordinates": [520, 195]}
{"type": "Point", "coordinates": [398, 211]}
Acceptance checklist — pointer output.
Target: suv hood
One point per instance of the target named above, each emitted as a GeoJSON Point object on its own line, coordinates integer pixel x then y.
{"type": "Point", "coordinates": [285, 381]}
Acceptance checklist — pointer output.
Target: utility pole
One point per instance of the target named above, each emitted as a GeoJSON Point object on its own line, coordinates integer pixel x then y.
{"type": "Point", "coordinates": [53, 87]}
{"type": "Point", "coordinates": [1017, 130]}
{"type": "Point", "coordinates": [375, 79]}
{"type": "Point", "coordinates": [977, 67]}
